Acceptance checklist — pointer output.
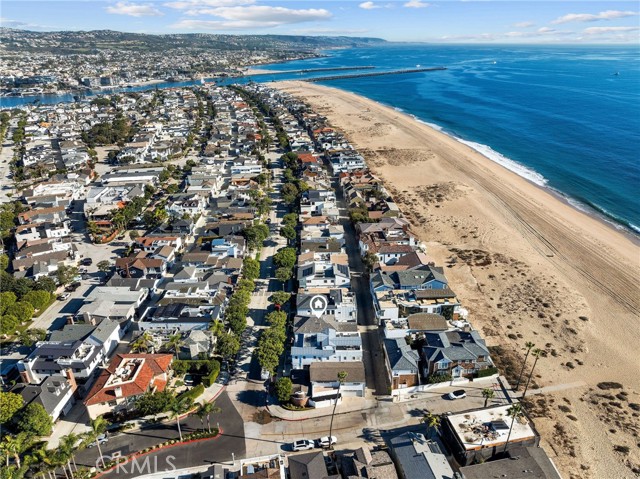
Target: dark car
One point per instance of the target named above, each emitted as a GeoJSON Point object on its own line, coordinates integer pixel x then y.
{"type": "Point", "coordinates": [86, 262]}
{"type": "Point", "coordinates": [73, 286]}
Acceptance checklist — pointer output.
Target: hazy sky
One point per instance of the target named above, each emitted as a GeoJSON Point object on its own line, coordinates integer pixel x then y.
{"type": "Point", "coordinates": [512, 21]}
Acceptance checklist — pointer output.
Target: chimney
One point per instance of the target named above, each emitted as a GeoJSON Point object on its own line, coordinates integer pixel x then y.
{"type": "Point", "coordinates": [118, 392]}
{"type": "Point", "coordinates": [70, 319]}
{"type": "Point", "coordinates": [68, 373]}
{"type": "Point", "coordinates": [25, 376]}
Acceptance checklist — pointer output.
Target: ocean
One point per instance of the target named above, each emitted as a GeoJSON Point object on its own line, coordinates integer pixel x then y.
{"type": "Point", "coordinates": [564, 117]}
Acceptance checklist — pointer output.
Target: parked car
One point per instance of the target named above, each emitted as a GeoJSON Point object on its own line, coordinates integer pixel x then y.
{"type": "Point", "coordinates": [63, 296]}
{"type": "Point", "coordinates": [188, 380]}
{"type": "Point", "coordinates": [86, 261]}
{"type": "Point", "coordinates": [101, 439]}
{"type": "Point", "coordinates": [327, 441]}
{"type": "Point", "coordinates": [72, 287]}
{"type": "Point", "coordinates": [302, 445]}
{"type": "Point", "coordinates": [457, 394]}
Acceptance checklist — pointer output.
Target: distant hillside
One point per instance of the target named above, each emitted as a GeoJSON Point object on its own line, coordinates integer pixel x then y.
{"type": "Point", "coordinates": [68, 42]}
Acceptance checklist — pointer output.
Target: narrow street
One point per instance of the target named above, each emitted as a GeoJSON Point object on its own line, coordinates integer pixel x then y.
{"type": "Point", "coordinates": [374, 362]}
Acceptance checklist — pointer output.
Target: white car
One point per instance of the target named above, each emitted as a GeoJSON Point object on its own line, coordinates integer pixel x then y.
{"type": "Point", "coordinates": [101, 439]}
{"type": "Point", "coordinates": [302, 445]}
{"type": "Point", "coordinates": [327, 441]}
{"type": "Point", "coordinates": [63, 296]}
{"type": "Point", "coordinates": [457, 394]}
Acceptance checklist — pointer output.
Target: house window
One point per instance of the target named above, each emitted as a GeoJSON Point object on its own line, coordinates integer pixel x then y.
{"type": "Point", "coordinates": [112, 403]}
{"type": "Point", "coordinates": [444, 364]}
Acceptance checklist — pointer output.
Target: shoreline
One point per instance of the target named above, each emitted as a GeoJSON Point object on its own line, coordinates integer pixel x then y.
{"type": "Point", "coordinates": [616, 224]}
{"type": "Point", "coordinates": [525, 262]}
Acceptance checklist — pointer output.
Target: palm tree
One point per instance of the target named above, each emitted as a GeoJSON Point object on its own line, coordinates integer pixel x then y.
{"type": "Point", "coordinates": [342, 376]}
{"type": "Point", "coordinates": [68, 447]}
{"type": "Point", "coordinates": [528, 345]}
{"type": "Point", "coordinates": [205, 410]}
{"type": "Point", "coordinates": [144, 342]}
{"type": "Point", "coordinates": [99, 426]}
{"type": "Point", "coordinates": [174, 343]}
{"type": "Point", "coordinates": [432, 421]}
{"type": "Point", "coordinates": [487, 393]}
{"type": "Point", "coordinates": [39, 461]}
{"type": "Point", "coordinates": [515, 412]}
{"type": "Point", "coordinates": [177, 409]}
{"type": "Point", "coordinates": [14, 446]}
{"type": "Point", "coordinates": [536, 354]}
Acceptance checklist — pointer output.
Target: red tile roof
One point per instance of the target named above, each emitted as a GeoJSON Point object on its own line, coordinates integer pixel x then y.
{"type": "Point", "coordinates": [151, 374]}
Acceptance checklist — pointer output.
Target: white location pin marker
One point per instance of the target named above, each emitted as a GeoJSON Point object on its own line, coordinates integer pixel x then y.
{"type": "Point", "coordinates": [318, 305]}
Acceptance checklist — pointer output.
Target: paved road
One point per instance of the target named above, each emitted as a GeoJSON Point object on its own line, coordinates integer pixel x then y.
{"type": "Point", "coordinates": [220, 449]}
{"type": "Point", "coordinates": [374, 363]}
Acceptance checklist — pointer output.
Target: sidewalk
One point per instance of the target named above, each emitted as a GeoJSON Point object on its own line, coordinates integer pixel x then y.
{"type": "Point", "coordinates": [348, 405]}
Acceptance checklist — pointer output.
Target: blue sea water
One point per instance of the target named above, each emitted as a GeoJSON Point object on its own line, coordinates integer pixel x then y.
{"type": "Point", "coordinates": [558, 115]}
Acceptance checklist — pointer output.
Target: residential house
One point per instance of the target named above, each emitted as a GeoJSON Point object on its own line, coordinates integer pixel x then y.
{"type": "Point", "coordinates": [455, 354]}
{"type": "Point", "coordinates": [418, 457]}
{"type": "Point", "coordinates": [402, 363]}
{"type": "Point", "coordinates": [323, 339]}
{"type": "Point", "coordinates": [127, 377]}
{"type": "Point", "coordinates": [323, 270]}
{"type": "Point", "coordinates": [324, 381]}
{"type": "Point", "coordinates": [55, 394]}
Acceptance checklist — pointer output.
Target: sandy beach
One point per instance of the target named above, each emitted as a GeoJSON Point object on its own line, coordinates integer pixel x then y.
{"type": "Point", "coordinates": [528, 267]}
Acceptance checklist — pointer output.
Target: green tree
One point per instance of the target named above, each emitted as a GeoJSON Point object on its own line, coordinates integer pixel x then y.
{"type": "Point", "coordinates": [488, 393]}
{"type": "Point", "coordinates": [284, 388]}
{"type": "Point", "coordinates": [280, 298]}
{"type": "Point", "coordinates": [285, 258]}
{"type": "Point", "coordinates": [143, 343]}
{"type": "Point", "coordinates": [66, 274]}
{"type": "Point", "coordinates": [45, 283]}
{"type": "Point", "coordinates": [290, 219]}
{"type": "Point", "coordinates": [23, 311]}
{"type": "Point", "coordinates": [289, 193]}
{"type": "Point", "coordinates": [8, 324]}
{"type": "Point", "coordinates": [10, 404]}
{"type": "Point", "coordinates": [342, 377]}
{"type": "Point", "coordinates": [37, 299]}
{"type": "Point", "coordinates": [177, 409]}
{"type": "Point", "coordinates": [22, 286]}
{"type": "Point", "coordinates": [6, 299]}
{"type": "Point", "coordinates": [514, 412]}
{"type": "Point", "coordinates": [432, 421]}
{"type": "Point", "coordinates": [151, 403]}
{"type": "Point", "coordinates": [174, 343]}
{"type": "Point", "coordinates": [29, 337]}
{"type": "Point", "coordinates": [98, 427]}
{"type": "Point", "coordinates": [134, 235]}
{"type": "Point", "coordinates": [227, 345]}
{"type": "Point", "coordinates": [277, 319]}
{"type": "Point", "coordinates": [255, 235]}
{"type": "Point", "coordinates": [104, 266]}
{"type": "Point", "coordinates": [250, 268]}
{"type": "Point", "coordinates": [4, 261]}
{"type": "Point", "coordinates": [283, 275]}
{"type": "Point", "coordinates": [34, 419]}
{"type": "Point", "coordinates": [206, 409]}
{"type": "Point", "coordinates": [288, 232]}
{"type": "Point", "coordinates": [370, 260]}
